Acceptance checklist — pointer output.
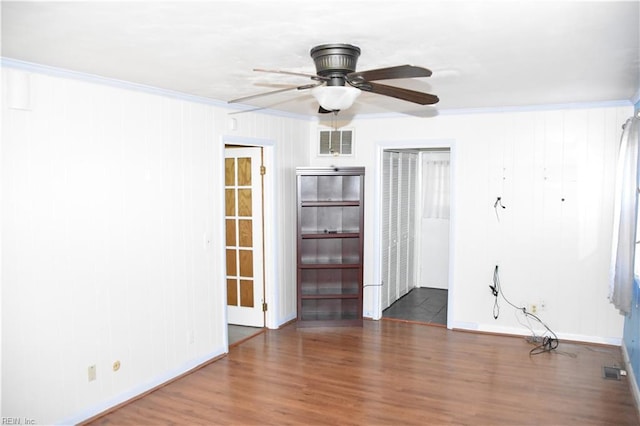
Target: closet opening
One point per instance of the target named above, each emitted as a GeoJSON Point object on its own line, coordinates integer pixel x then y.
{"type": "Point", "coordinates": [415, 237]}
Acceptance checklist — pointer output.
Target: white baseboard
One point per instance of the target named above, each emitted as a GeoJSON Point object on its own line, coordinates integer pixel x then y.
{"type": "Point", "coordinates": [484, 328]}
{"type": "Point", "coordinates": [139, 390]}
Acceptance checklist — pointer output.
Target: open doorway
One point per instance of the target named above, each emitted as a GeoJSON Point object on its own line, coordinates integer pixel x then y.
{"type": "Point", "coordinates": [415, 203]}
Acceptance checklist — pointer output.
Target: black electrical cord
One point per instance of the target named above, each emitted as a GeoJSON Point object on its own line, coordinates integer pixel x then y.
{"type": "Point", "coordinates": [548, 343]}
{"type": "Point", "coordinates": [497, 204]}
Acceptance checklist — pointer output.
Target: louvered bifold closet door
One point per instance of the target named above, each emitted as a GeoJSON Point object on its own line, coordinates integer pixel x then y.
{"type": "Point", "coordinates": [400, 172]}
{"type": "Point", "coordinates": [386, 206]}
{"type": "Point", "coordinates": [403, 224]}
{"type": "Point", "coordinates": [391, 237]}
{"type": "Point", "coordinates": [394, 237]}
{"type": "Point", "coordinates": [412, 166]}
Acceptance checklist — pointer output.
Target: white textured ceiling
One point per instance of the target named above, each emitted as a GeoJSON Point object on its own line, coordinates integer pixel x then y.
{"type": "Point", "coordinates": [482, 53]}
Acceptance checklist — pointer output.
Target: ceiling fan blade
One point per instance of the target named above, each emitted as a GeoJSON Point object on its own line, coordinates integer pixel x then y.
{"type": "Point", "coordinates": [400, 93]}
{"type": "Point", "coordinates": [299, 74]}
{"type": "Point", "coordinates": [325, 111]}
{"type": "Point", "coordinates": [400, 71]}
{"type": "Point", "coordinates": [273, 92]}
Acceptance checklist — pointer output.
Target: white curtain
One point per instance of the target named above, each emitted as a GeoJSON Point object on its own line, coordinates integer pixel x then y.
{"type": "Point", "coordinates": [435, 188]}
{"type": "Point", "coordinates": [621, 274]}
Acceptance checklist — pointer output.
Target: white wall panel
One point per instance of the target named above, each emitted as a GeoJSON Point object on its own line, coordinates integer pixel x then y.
{"type": "Point", "coordinates": [433, 240]}
{"type": "Point", "coordinates": [548, 249]}
{"type": "Point", "coordinates": [108, 197]}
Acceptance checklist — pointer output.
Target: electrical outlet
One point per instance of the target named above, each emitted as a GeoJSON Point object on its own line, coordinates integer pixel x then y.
{"type": "Point", "coordinates": [91, 372]}
{"type": "Point", "coordinates": [533, 308]}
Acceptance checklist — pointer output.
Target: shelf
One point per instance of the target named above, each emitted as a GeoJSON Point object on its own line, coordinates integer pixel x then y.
{"type": "Point", "coordinates": [330, 296]}
{"type": "Point", "coordinates": [323, 309]}
{"type": "Point", "coordinates": [330, 203]}
{"type": "Point", "coordinates": [331, 249]}
{"type": "Point", "coordinates": [324, 316]}
{"type": "Point", "coordinates": [316, 235]}
{"type": "Point", "coordinates": [330, 220]}
{"type": "Point", "coordinates": [333, 262]}
{"type": "Point", "coordinates": [320, 322]}
{"type": "Point", "coordinates": [330, 265]}
{"type": "Point", "coordinates": [336, 187]}
{"type": "Point", "coordinates": [330, 246]}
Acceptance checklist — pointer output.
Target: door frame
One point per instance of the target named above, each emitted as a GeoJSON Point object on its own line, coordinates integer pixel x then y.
{"type": "Point", "coordinates": [270, 230]}
{"type": "Point", "coordinates": [381, 146]}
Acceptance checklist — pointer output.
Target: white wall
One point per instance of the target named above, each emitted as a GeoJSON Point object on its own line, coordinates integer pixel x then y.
{"type": "Point", "coordinates": [107, 196]}
{"type": "Point", "coordinates": [434, 237]}
{"type": "Point", "coordinates": [548, 249]}
{"type": "Point", "coordinates": [287, 147]}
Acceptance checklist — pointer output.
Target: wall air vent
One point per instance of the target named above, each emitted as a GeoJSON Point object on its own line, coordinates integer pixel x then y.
{"type": "Point", "coordinates": [336, 142]}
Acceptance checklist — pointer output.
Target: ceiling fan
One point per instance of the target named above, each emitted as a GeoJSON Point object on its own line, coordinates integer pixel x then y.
{"type": "Point", "coordinates": [336, 83]}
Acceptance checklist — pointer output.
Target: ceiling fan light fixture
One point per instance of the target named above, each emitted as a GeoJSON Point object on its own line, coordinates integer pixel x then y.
{"type": "Point", "coordinates": [335, 98]}
{"type": "Point", "coordinates": [336, 84]}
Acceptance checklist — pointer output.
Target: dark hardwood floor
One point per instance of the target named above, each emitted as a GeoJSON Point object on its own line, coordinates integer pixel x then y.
{"type": "Point", "coordinates": [391, 373]}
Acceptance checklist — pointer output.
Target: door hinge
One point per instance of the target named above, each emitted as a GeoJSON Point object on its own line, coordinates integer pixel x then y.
{"type": "Point", "coordinates": [263, 170]}
{"type": "Point", "coordinates": [264, 307]}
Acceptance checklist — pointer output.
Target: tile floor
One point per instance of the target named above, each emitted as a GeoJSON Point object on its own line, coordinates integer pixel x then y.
{"type": "Point", "coordinates": [238, 333]}
{"type": "Point", "coordinates": [421, 304]}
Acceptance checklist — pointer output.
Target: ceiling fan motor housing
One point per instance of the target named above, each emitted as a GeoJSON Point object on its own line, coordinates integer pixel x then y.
{"type": "Point", "coordinates": [335, 60]}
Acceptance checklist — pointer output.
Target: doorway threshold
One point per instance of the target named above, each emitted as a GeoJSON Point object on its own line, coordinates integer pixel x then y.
{"type": "Point", "coordinates": [239, 333]}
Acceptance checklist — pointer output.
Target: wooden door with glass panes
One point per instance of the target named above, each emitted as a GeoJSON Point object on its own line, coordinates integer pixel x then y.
{"type": "Point", "coordinates": [243, 229]}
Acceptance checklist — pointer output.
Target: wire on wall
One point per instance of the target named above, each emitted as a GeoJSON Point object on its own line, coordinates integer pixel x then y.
{"type": "Point", "coordinates": [548, 342]}
{"type": "Point", "coordinates": [497, 204]}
